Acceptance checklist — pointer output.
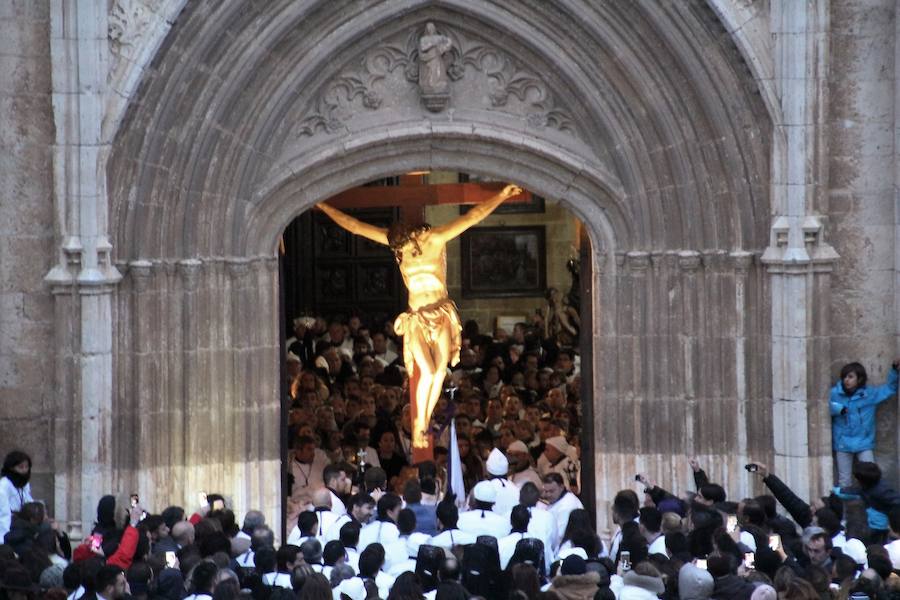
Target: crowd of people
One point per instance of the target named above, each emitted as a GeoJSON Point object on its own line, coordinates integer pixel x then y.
{"type": "Point", "coordinates": [366, 523]}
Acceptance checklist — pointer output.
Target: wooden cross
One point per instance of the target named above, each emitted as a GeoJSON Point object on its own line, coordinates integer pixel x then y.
{"type": "Point", "coordinates": [412, 196]}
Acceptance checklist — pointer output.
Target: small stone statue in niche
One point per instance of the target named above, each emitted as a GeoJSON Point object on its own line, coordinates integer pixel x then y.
{"type": "Point", "coordinates": [434, 82]}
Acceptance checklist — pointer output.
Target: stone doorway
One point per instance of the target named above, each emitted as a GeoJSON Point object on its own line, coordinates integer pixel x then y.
{"type": "Point", "coordinates": [566, 265]}
{"type": "Point", "coordinates": [641, 118]}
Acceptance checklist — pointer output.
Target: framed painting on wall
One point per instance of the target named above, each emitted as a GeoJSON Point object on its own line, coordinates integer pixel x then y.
{"type": "Point", "coordinates": [502, 262]}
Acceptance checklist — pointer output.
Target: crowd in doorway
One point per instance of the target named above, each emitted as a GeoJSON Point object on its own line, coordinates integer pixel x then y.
{"type": "Point", "coordinates": [516, 393]}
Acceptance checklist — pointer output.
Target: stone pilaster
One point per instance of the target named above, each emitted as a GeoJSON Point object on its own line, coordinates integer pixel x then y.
{"type": "Point", "coordinates": [798, 256]}
{"type": "Point", "coordinates": [79, 55]}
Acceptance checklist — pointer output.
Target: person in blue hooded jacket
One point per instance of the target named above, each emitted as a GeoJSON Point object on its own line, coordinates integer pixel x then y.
{"type": "Point", "coordinates": [853, 405]}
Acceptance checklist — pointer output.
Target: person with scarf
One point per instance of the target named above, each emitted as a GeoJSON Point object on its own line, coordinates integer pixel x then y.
{"type": "Point", "coordinates": [15, 491]}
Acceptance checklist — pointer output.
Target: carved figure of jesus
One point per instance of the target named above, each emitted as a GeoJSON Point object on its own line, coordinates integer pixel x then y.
{"type": "Point", "coordinates": [432, 71]}
{"type": "Point", "coordinates": [430, 327]}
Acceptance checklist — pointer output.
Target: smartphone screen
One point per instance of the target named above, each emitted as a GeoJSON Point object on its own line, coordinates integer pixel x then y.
{"type": "Point", "coordinates": [748, 560]}
{"type": "Point", "coordinates": [701, 563]}
{"type": "Point", "coordinates": [170, 560]}
{"type": "Point", "coordinates": [95, 542]}
{"type": "Point", "coordinates": [775, 541]}
{"type": "Point", "coordinates": [625, 560]}
{"type": "Point", "coordinates": [732, 523]}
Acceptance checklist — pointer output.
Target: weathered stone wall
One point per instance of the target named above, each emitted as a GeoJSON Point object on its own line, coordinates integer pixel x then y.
{"type": "Point", "coordinates": [28, 398]}
{"type": "Point", "coordinates": [686, 371]}
{"type": "Point", "coordinates": [197, 404]}
{"type": "Point", "coordinates": [862, 201]}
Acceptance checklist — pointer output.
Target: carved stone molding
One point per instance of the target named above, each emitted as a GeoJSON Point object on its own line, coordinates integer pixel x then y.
{"type": "Point", "coordinates": [189, 271]}
{"type": "Point", "coordinates": [127, 21]}
{"type": "Point", "coordinates": [638, 262]}
{"type": "Point", "coordinates": [689, 260]}
{"type": "Point", "coordinates": [494, 80]}
{"type": "Point", "coordinates": [140, 271]}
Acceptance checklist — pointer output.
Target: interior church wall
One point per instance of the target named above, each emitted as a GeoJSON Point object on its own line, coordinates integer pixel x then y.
{"type": "Point", "coordinates": [28, 348]}
{"type": "Point", "coordinates": [560, 230]}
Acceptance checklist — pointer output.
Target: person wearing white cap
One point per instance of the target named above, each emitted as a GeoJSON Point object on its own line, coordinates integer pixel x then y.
{"type": "Point", "coordinates": [559, 457]}
{"type": "Point", "coordinates": [521, 471]}
{"type": "Point", "coordinates": [507, 492]}
{"type": "Point", "coordinates": [350, 589]}
{"type": "Point", "coordinates": [481, 520]}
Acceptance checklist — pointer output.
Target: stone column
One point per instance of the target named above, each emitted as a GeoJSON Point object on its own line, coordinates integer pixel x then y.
{"type": "Point", "coordinates": [798, 256]}
{"type": "Point", "coordinates": [79, 55]}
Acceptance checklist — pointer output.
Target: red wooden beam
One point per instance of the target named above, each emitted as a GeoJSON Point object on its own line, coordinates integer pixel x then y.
{"type": "Point", "coordinates": [408, 196]}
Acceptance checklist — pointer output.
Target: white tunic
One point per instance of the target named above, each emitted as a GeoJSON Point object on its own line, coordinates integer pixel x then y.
{"type": "Point", "coordinates": [523, 477]}
{"type": "Point", "coordinates": [327, 519]}
{"type": "Point", "coordinates": [11, 500]}
{"type": "Point", "coordinates": [562, 508]}
{"type": "Point", "coordinates": [337, 505]}
{"type": "Point", "coordinates": [383, 532]}
{"type": "Point", "coordinates": [506, 547]}
{"type": "Point", "coordinates": [484, 522]}
{"type": "Point", "coordinates": [282, 580]}
{"type": "Point", "coordinates": [452, 537]}
{"type": "Point", "coordinates": [543, 526]}
{"type": "Point", "coordinates": [507, 496]}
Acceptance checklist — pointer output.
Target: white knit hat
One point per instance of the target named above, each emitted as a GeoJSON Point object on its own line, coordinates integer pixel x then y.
{"type": "Point", "coordinates": [560, 443]}
{"type": "Point", "coordinates": [517, 446]}
{"type": "Point", "coordinates": [497, 463]}
{"type": "Point", "coordinates": [354, 588]}
{"type": "Point", "coordinates": [485, 492]}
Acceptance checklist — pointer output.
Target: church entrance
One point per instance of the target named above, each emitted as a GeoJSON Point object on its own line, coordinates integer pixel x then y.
{"type": "Point", "coordinates": [640, 117]}
{"type": "Point", "coordinates": [517, 281]}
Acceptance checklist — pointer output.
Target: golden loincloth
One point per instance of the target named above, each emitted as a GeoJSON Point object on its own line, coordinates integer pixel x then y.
{"type": "Point", "coordinates": [428, 321]}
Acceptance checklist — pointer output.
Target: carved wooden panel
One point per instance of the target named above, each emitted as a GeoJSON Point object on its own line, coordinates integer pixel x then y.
{"type": "Point", "coordinates": [332, 273]}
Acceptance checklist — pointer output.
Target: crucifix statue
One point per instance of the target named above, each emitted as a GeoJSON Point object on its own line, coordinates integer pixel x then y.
{"type": "Point", "coordinates": [430, 326]}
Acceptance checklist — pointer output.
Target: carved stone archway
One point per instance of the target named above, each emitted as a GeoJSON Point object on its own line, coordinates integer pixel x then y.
{"type": "Point", "coordinates": [641, 118]}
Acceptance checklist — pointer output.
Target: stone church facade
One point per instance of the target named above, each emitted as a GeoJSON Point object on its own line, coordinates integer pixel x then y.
{"type": "Point", "coordinates": [734, 162]}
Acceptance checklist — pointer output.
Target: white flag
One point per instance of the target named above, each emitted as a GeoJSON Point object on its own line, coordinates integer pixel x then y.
{"type": "Point", "coordinates": [456, 475]}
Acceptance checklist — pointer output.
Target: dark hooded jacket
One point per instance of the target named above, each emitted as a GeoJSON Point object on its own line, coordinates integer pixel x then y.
{"type": "Point", "coordinates": [732, 587]}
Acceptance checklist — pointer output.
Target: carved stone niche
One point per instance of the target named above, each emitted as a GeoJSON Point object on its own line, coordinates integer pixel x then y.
{"type": "Point", "coordinates": [466, 72]}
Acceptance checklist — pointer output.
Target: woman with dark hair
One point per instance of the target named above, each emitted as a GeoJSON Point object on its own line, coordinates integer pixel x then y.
{"type": "Point", "coordinates": [406, 587]}
{"type": "Point", "coordinates": [316, 587]}
{"type": "Point", "coordinates": [15, 491]}
{"type": "Point", "coordinates": [580, 533]}
{"type": "Point", "coordinates": [853, 405]}
{"type": "Point", "coordinates": [473, 467]}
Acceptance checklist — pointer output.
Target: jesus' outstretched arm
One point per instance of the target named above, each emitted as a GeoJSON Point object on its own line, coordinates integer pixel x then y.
{"type": "Point", "coordinates": [376, 234]}
{"type": "Point", "coordinates": [476, 215]}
